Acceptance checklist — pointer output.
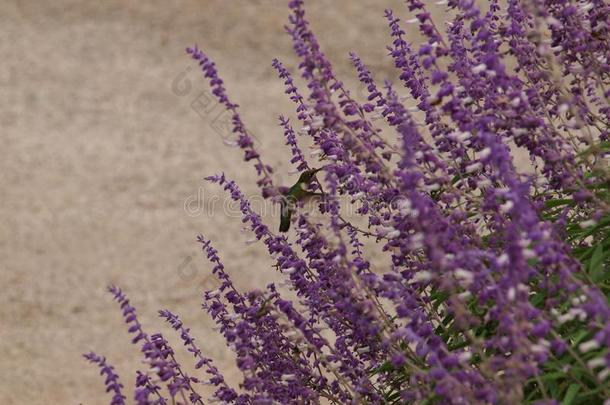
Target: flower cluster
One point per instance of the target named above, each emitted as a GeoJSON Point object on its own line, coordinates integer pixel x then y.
{"type": "Point", "coordinates": [496, 285]}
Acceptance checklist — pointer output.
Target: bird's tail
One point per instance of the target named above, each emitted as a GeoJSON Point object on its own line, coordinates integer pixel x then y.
{"type": "Point", "coordinates": [285, 215]}
{"type": "Point", "coordinates": [285, 222]}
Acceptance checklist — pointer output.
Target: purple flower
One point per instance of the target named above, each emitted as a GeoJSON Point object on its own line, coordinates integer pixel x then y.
{"type": "Point", "coordinates": [112, 379]}
{"type": "Point", "coordinates": [483, 272]}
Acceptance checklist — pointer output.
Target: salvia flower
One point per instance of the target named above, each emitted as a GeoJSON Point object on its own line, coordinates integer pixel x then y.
{"type": "Point", "coordinates": [488, 281]}
{"type": "Point", "coordinates": [112, 379]}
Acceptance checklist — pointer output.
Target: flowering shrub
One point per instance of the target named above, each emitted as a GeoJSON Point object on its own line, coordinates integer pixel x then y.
{"type": "Point", "coordinates": [498, 286]}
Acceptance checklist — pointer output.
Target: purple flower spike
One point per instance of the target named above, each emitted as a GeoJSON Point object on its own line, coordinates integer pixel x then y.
{"type": "Point", "coordinates": [112, 379]}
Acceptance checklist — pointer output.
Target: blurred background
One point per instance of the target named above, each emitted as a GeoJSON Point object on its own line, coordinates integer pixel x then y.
{"type": "Point", "coordinates": [107, 131]}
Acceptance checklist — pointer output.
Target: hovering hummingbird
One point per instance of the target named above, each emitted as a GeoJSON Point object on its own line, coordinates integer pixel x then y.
{"type": "Point", "coordinates": [296, 193]}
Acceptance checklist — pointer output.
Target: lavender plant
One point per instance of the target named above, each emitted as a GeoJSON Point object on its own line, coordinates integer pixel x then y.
{"type": "Point", "coordinates": [498, 288]}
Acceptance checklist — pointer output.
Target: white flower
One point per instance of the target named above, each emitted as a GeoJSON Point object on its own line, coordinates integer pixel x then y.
{"type": "Point", "coordinates": [464, 356]}
{"type": "Point", "coordinates": [465, 295]}
{"type": "Point", "coordinates": [473, 167]}
{"type": "Point", "coordinates": [403, 204]}
{"type": "Point", "coordinates": [586, 7]}
{"type": "Point", "coordinates": [415, 241]}
{"type": "Point", "coordinates": [588, 346]}
{"type": "Point", "coordinates": [484, 183]}
{"type": "Point", "coordinates": [553, 22]}
{"type": "Point", "coordinates": [483, 154]}
{"type": "Point", "coordinates": [464, 275]}
{"type": "Point", "coordinates": [529, 254]}
{"type": "Point", "coordinates": [502, 259]}
{"type": "Point", "coordinates": [393, 234]}
{"type": "Point", "coordinates": [460, 136]}
{"type": "Point", "coordinates": [507, 206]}
{"type": "Point", "coordinates": [423, 275]}
{"type": "Point", "coordinates": [383, 230]}
{"type": "Point", "coordinates": [539, 349]}
{"type": "Point", "coordinates": [570, 315]}
{"type": "Point", "coordinates": [479, 68]}
{"type": "Point", "coordinates": [318, 122]}
{"type": "Point", "coordinates": [587, 223]}
{"type": "Point", "coordinates": [432, 187]}
{"type": "Point", "coordinates": [596, 362]}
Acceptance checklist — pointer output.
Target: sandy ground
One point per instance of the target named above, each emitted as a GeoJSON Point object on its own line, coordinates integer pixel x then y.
{"type": "Point", "coordinates": [102, 148]}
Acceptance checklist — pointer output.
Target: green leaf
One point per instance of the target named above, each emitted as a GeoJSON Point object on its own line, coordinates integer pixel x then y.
{"type": "Point", "coordinates": [596, 268]}
{"type": "Point", "coordinates": [570, 394]}
{"type": "Point", "coordinates": [551, 376]}
{"type": "Point", "coordinates": [579, 336]}
{"type": "Point", "coordinates": [383, 368]}
{"type": "Point", "coordinates": [557, 202]}
{"type": "Point", "coordinates": [538, 299]}
{"type": "Point", "coordinates": [431, 400]}
{"type": "Point", "coordinates": [393, 396]}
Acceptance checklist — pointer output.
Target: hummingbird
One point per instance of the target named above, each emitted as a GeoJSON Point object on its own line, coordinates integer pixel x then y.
{"type": "Point", "coordinates": [296, 193]}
